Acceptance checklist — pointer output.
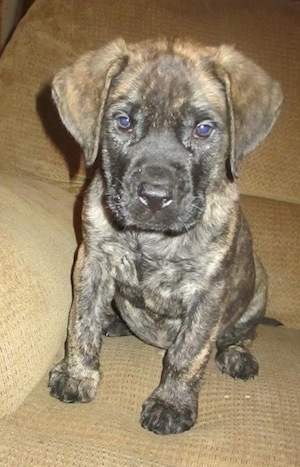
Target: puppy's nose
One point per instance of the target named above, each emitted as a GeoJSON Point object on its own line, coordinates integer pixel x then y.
{"type": "Point", "coordinates": [155, 196]}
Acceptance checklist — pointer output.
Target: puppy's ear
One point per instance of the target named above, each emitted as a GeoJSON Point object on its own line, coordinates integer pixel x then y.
{"type": "Point", "coordinates": [80, 92]}
{"type": "Point", "coordinates": [253, 102]}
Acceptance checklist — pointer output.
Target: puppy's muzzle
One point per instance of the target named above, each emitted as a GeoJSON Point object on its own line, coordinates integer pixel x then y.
{"type": "Point", "coordinates": [156, 190]}
{"type": "Point", "coordinates": [155, 196]}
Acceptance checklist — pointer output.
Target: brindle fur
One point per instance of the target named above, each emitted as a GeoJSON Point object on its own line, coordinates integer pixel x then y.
{"type": "Point", "coordinates": [182, 273]}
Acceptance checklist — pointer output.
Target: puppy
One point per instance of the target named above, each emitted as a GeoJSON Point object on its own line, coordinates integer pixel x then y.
{"type": "Point", "coordinates": [165, 126]}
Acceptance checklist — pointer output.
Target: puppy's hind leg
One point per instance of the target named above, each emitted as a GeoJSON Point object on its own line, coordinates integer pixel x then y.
{"type": "Point", "coordinates": [113, 324]}
{"type": "Point", "coordinates": [233, 356]}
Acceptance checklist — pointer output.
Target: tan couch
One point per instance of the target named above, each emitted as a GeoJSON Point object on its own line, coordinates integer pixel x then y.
{"type": "Point", "coordinates": [254, 423]}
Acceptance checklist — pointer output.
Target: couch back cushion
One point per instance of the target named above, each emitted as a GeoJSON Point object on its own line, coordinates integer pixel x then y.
{"type": "Point", "coordinates": [54, 33]}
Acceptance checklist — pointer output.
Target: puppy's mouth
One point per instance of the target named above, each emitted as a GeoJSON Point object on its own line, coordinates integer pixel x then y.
{"type": "Point", "coordinates": [153, 206]}
{"type": "Point", "coordinates": [156, 204]}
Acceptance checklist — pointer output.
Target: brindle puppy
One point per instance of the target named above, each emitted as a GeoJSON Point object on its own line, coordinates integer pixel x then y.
{"type": "Point", "coordinates": [165, 126]}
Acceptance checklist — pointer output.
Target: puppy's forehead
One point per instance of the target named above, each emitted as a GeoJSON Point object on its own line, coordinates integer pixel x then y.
{"type": "Point", "coordinates": [167, 79]}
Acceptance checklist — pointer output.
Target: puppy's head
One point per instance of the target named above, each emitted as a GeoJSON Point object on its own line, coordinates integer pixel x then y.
{"type": "Point", "coordinates": [172, 121]}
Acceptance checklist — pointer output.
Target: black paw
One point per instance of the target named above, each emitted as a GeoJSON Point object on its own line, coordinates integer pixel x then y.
{"type": "Point", "coordinates": [165, 417]}
{"type": "Point", "coordinates": [69, 387]}
{"type": "Point", "coordinates": [237, 362]}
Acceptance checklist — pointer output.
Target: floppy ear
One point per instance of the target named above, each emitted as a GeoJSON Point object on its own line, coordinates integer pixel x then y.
{"type": "Point", "coordinates": [253, 102]}
{"type": "Point", "coordinates": [80, 92]}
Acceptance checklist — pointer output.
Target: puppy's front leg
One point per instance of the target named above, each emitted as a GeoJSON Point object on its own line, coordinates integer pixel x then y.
{"type": "Point", "coordinates": [77, 376]}
{"type": "Point", "coordinates": [173, 406]}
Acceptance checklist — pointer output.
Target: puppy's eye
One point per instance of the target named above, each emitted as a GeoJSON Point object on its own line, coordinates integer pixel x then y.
{"type": "Point", "coordinates": [124, 122]}
{"type": "Point", "coordinates": [204, 130]}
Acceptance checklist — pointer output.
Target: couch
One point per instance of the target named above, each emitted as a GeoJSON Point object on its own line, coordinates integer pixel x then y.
{"type": "Point", "coordinates": [42, 174]}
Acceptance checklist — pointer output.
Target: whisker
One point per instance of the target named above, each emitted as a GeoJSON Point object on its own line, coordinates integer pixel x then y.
{"type": "Point", "coordinates": [196, 207]}
{"type": "Point", "coordinates": [121, 183]}
{"type": "Point", "coordinates": [179, 218]}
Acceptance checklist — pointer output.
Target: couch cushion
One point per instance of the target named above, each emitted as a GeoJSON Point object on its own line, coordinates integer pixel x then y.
{"type": "Point", "coordinates": [275, 228]}
{"type": "Point", "coordinates": [37, 246]}
{"type": "Point", "coordinates": [253, 423]}
{"type": "Point", "coordinates": [55, 32]}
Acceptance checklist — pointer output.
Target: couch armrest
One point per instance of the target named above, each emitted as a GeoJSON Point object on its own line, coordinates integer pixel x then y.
{"type": "Point", "coordinates": [37, 246]}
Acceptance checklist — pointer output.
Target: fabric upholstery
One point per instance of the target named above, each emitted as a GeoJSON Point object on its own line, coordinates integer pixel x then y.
{"type": "Point", "coordinates": [275, 229]}
{"type": "Point", "coordinates": [41, 173]}
{"type": "Point", "coordinates": [37, 247]}
{"type": "Point", "coordinates": [254, 423]}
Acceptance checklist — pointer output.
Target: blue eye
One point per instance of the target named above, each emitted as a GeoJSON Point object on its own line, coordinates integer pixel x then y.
{"type": "Point", "coordinates": [204, 129]}
{"type": "Point", "coordinates": [124, 122]}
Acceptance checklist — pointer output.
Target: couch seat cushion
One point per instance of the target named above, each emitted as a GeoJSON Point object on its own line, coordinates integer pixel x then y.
{"type": "Point", "coordinates": [253, 423]}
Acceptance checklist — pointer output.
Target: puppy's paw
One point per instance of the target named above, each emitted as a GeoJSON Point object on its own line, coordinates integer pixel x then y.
{"type": "Point", "coordinates": [69, 386]}
{"type": "Point", "coordinates": [115, 327]}
{"type": "Point", "coordinates": [166, 416]}
{"type": "Point", "coordinates": [237, 362]}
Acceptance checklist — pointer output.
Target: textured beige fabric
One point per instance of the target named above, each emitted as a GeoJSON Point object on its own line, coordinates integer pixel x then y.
{"type": "Point", "coordinates": [276, 234]}
{"type": "Point", "coordinates": [256, 423]}
{"type": "Point", "coordinates": [36, 250]}
{"type": "Point", "coordinates": [55, 32]}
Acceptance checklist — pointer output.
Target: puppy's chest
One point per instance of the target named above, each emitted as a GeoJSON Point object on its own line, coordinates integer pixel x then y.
{"type": "Point", "coordinates": [158, 283]}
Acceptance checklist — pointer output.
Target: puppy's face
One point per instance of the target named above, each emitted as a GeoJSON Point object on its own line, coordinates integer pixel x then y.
{"type": "Point", "coordinates": [164, 141]}
{"type": "Point", "coordinates": [173, 122]}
